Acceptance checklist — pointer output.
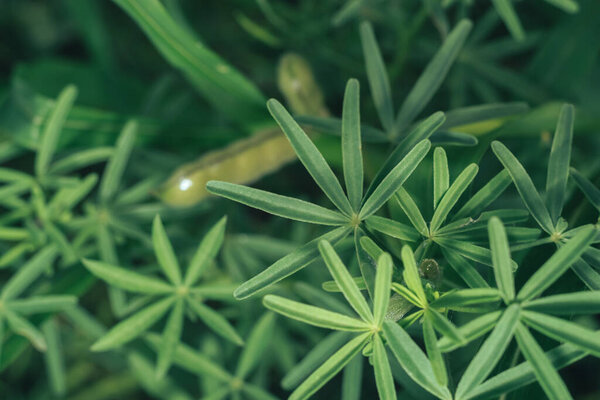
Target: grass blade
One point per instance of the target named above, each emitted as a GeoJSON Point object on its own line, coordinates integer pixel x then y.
{"type": "Point", "coordinates": [546, 375]}
{"type": "Point", "coordinates": [558, 165]}
{"type": "Point", "coordinates": [489, 353]}
{"type": "Point", "coordinates": [132, 327]}
{"type": "Point", "coordinates": [441, 175]}
{"type": "Point", "coordinates": [501, 259]}
{"type": "Point", "coordinates": [383, 281]}
{"type": "Point", "coordinates": [394, 180]}
{"type": "Point", "coordinates": [115, 167]}
{"type": "Point", "coordinates": [282, 206]}
{"type": "Point", "coordinates": [524, 186]}
{"type": "Point", "coordinates": [310, 157]}
{"type": "Point", "coordinates": [433, 75]}
{"type": "Point", "coordinates": [564, 331]}
{"type": "Point", "coordinates": [127, 280]}
{"type": "Point", "coordinates": [452, 195]}
{"type": "Point", "coordinates": [340, 274]}
{"type": "Point", "coordinates": [556, 265]}
{"type": "Point", "coordinates": [287, 265]}
{"type": "Point", "coordinates": [170, 339]}
{"type": "Point", "coordinates": [330, 368]}
{"type": "Point", "coordinates": [216, 322]}
{"type": "Point", "coordinates": [53, 128]}
{"type": "Point", "coordinates": [164, 252]}
{"type": "Point", "coordinates": [378, 77]}
{"type": "Point", "coordinates": [351, 145]}
{"type": "Point", "coordinates": [207, 251]}
{"type": "Point", "coordinates": [383, 373]}
{"type": "Point", "coordinates": [413, 360]}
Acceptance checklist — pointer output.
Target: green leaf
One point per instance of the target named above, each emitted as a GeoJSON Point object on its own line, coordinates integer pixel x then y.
{"type": "Point", "coordinates": [340, 274]}
{"type": "Point", "coordinates": [330, 368]}
{"type": "Point", "coordinates": [411, 210]}
{"type": "Point", "coordinates": [471, 330]}
{"type": "Point", "coordinates": [392, 228]}
{"type": "Point", "coordinates": [282, 206]}
{"type": "Point", "coordinates": [507, 12]}
{"type": "Point", "coordinates": [569, 6]}
{"type": "Point", "coordinates": [547, 376]}
{"type": "Point", "coordinates": [352, 379]}
{"type": "Point", "coordinates": [467, 250]}
{"type": "Point", "coordinates": [558, 165]}
{"type": "Point", "coordinates": [164, 252]}
{"type": "Point", "coordinates": [378, 77]}
{"type": "Point", "coordinates": [207, 251]}
{"type": "Point", "coordinates": [127, 280]}
{"type": "Point", "coordinates": [383, 373]}
{"type": "Point", "coordinates": [310, 157]}
{"type": "Point", "coordinates": [219, 83]}
{"type": "Point", "coordinates": [407, 294]}
{"type": "Point", "coordinates": [287, 265]}
{"type": "Point", "coordinates": [564, 331]}
{"type": "Point", "coordinates": [441, 175]}
{"type": "Point", "coordinates": [383, 281]}
{"type": "Point", "coordinates": [53, 128]}
{"type": "Point", "coordinates": [332, 286]}
{"type": "Point", "coordinates": [501, 259]}
{"type": "Point", "coordinates": [451, 196]}
{"type": "Point", "coordinates": [259, 339]}
{"type": "Point", "coordinates": [411, 274]}
{"type": "Point", "coordinates": [433, 75]}
{"type": "Point", "coordinates": [420, 132]}
{"type": "Point", "coordinates": [28, 273]}
{"type": "Point", "coordinates": [22, 327]}
{"type": "Point", "coordinates": [569, 303]}
{"type": "Point", "coordinates": [412, 359]}
{"type": "Point", "coordinates": [466, 297]}
{"type": "Point", "coordinates": [215, 321]}
{"type": "Point", "coordinates": [589, 190]}
{"type": "Point", "coordinates": [394, 180]}
{"type": "Point", "coordinates": [433, 351]}
{"type": "Point", "coordinates": [170, 339]}
{"type": "Point", "coordinates": [482, 112]}
{"type": "Point", "coordinates": [115, 167]}
{"type": "Point", "coordinates": [445, 327]}
{"type": "Point", "coordinates": [370, 247]}
{"type": "Point", "coordinates": [315, 357]}
{"type": "Point", "coordinates": [489, 353]}
{"type": "Point", "coordinates": [524, 186]}
{"type": "Point", "coordinates": [42, 304]}
{"type": "Point", "coordinates": [484, 196]}
{"type": "Point", "coordinates": [557, 265]}
{"type": "Point", "coordinates": [133, 326]}
{"type": "Point", "coordinates": [351, 145]}
{"type": "Point", "coordinates": [313, 315]}
{"type": "Point", "coordinates": [81, 159]}
{"type": "Point", "coordinates": [55, 364]}
{"type": "Point", "coordinates": [191, 360]}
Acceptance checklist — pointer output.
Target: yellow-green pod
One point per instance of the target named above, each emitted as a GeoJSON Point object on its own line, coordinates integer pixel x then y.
{"type": "Point", "coordinates": [299, 87]}
{"type": "Point", "coordinates": [243, 162]}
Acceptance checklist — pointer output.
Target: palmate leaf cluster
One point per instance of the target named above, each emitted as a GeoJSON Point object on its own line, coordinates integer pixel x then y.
{"type": "Point", "coordinates": [441, 254]}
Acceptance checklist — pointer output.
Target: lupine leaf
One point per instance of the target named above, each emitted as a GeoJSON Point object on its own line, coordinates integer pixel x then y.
{"type": "Point", "coordinates": [411, 274]}
{"type": "Point", "coordinates": [383, 373]}
{"type": "Point", "coordinates": [524, 186]}
{"type": "Point", "coordinates": [507, 12]}
{"type": "Point", "coordinates": [164, 252]}
{"type": "Point", "coordinates": [558, 165]}
{"type": "Point", "coordinates": [556, 265]}
{"type": "Point", "coordinates": [547, 376]}
{"type": "Point", "coordinates": [412, 211]}
{"type": "Point", "coordinates": [310, 156]}
{"type": "Point", "coordinates": [340, 274]}
{"type": "Point", "coordinates": [568, 303]}
{"type": "Point", "coordinates": [42, 304]}
{"type": "Point", "coordinates": [471, 330]}
{"type": "Point", "coordinates": [313, 315]}
{"type": "Point", "coordinates": [329, 368]}
{"type": "Point", "coordinates": [501, 259]}
{"type": "Point", "coordinates": [383, 280]}
{"type": "Point", "coordinates": [282, 206]}
{"type": "Point", "coordinates": [206, 252]}
{"type": "Point", "coordinates": [392, 228]}
{"type": "Point", "coordinates": [441, 175]}
{"type": "Point", "coordinates": [113, 173]}
{"type": "Point", "coordinates": [258, 340]}
{"type": "Point", "coordinates": [28, 273]}
{"type": "Point", "coordinates": [433, 352]}
{"type": "Point", "coordinates": [127, 280]}
{"type": "Point", "coordinates": [216, 322]}
{"type": "Point", "coordinates": [170, 338]}
{"type": "Point", "coordinates": [351, 145]}
{"type": "Point", "coordinates": [589, 190]}
{"type": "Point", "coordinates": [484, 196]}
{"type": "Point", "coordinates": [22, 327]}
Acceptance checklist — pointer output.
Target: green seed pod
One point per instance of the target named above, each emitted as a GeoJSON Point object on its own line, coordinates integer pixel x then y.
{"type": "Point", "coordinates": [299, 87]}
{"type": "Point", "coordinates": [242, 162]}
{"type": "Point", "coordinates": [430, 270]}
